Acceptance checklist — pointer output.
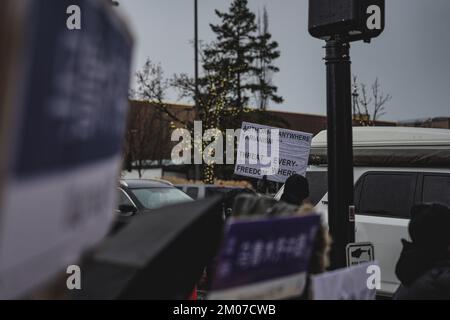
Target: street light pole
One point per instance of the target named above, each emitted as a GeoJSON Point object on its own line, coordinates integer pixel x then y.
{"type": "Point", "coordinates": [340, 22]}
{"type": "Point", "coordinates": [196, 50]}
{"type": "Point", "coordinates": [196, 94]}
{"type": "Point", "coordinates": [340, 150]}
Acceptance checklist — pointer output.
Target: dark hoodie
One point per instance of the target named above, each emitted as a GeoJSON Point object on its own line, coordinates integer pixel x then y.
{"type": "Point", "coordinates": [296, 190]}
{"type": "Point", "coordinates": [424, 264]}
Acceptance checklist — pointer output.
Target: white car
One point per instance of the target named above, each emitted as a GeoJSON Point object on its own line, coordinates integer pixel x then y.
{"type": "Point", "coordinates": [395, 168]}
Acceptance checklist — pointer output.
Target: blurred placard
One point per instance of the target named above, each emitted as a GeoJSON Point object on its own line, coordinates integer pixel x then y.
{"type": "Point", "coordinates": [354, 283]}
{"type": "Point", "coordinates": [64, 147]}
{"type": "Point", "coordinates": [291, 153]}
{"type": "Point", "coordinates": [264, 259]}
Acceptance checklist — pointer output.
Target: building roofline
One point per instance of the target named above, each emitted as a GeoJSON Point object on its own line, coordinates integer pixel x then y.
{"type": "Point", "coordinates": [184, 105]}
{"type": "Point", "coordinates": [191, 106]}
{"type": "Point", "coordinates": [425, 119]}
{"type": "Point", "coordinates": [174, 104]}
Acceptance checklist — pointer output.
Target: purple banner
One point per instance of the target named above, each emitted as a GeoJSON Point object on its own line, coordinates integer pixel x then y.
{"type": "Point", "coordinates": [256, 251]}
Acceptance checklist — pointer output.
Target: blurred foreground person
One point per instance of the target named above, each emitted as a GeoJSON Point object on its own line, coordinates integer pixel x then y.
{"type": "Point", "coordinates": [424, 264]}
{"type": "Point", "coordinates": [320, 255]}
{"type": "Point", "coordinates": [296, 190]}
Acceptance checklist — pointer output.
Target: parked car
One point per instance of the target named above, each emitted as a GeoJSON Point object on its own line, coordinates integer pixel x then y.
{"type": "Point", "coordinates": [395, 168]}
{"type": "Point", "coordinates": [201, 191]}
{"type": "Point", "coordinates": [139, 196]}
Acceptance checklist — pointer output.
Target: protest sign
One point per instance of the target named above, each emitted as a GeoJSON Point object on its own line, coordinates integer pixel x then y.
{"type": "Point", "coordinates": [354, 283]}
{"type": "Point", "coordinates": [259, 155]}
{"type": "Point", "coordinates": [63, 153]}
{"type": "Point", "coordinates": [264, 259]}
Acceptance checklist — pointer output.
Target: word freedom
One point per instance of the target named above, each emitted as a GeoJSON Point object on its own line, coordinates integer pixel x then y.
{"type": "Point", "coordinates": [260, 172]}
{"type": "Point", "coordinates": [259, 142]}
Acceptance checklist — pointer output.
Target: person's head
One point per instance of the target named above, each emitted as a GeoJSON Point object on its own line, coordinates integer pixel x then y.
{"type": "Point", "coordinates": [429, 226]}
{"type": "Point", "coordinates": [296, 190]}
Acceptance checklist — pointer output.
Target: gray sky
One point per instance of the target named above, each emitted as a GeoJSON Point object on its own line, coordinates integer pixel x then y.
{"type": "Point", "coordinates": [411, 57]}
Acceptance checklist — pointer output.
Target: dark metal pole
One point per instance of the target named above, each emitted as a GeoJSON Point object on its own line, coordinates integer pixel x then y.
{"type": "Point", "coordinates": [340, 150]}
{"type": "Point", "coordinates": [196, 109]}
{"type": "Point", "coordinates": [196, 49]}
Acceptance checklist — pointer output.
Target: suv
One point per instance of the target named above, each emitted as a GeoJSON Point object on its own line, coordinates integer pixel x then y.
{"type": "Point", "coordinates": [142, 196]}
{"type": "Point", "coordinates": [409, 166]}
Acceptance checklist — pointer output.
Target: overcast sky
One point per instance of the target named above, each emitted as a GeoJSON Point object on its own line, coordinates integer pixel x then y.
{"type": "Point", "coordinates": [411, 57]}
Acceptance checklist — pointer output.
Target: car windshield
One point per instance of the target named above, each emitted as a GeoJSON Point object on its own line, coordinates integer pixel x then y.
{"type": "Point", "coordinates": [152, 198]}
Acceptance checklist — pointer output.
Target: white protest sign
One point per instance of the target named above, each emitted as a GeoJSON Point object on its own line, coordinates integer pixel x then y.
{"type": "Point", "coordinates": [273, 152]}
{"type": "Point", "coordinates": [354, 283]}
{"type": "Point", "coordinates": [65, 144]}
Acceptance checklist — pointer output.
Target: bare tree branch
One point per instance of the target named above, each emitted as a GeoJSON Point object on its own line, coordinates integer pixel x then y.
{"type": "Point", "coordinates": [372, 107]}
{"type": "Point", "coordinates": [152, 87]}
{"type": "Point", "coordinates": [380, 101]}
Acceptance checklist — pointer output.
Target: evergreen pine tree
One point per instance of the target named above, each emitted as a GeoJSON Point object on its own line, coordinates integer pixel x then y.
{"type": "Point", "coordinates": [266, 52]}
{"type": "Point", "coordinates": [245, 52]}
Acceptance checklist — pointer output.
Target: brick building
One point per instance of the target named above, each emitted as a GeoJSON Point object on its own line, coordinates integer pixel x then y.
{"type": "Point", "coordinates": [439, 123]}
{"type": "Point", "coordinates": [150, 127]}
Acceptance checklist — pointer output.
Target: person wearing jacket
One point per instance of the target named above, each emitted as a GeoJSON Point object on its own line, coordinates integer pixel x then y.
{"type": "Point", "coordinates": [424, 264]}
{"type": "Point", "coordinates": [296, 190]}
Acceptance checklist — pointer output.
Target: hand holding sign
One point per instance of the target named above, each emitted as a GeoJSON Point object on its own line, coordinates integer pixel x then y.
{"type": "Point", "coordinates": [289, 152]}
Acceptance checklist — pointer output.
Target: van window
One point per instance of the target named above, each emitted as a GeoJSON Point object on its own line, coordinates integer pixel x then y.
{"type": "Point", "coordinates": [318, 185]}
{"type": "Point", "coordinates": [436, 188]}
{"type": "Point", "coordinates": [387, 194]}
{"type": "Point", "coordinates": [192, 192]}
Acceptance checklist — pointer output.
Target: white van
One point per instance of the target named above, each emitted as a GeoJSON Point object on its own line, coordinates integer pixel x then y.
{"type": "Point", "coordinates": [395, 168]}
